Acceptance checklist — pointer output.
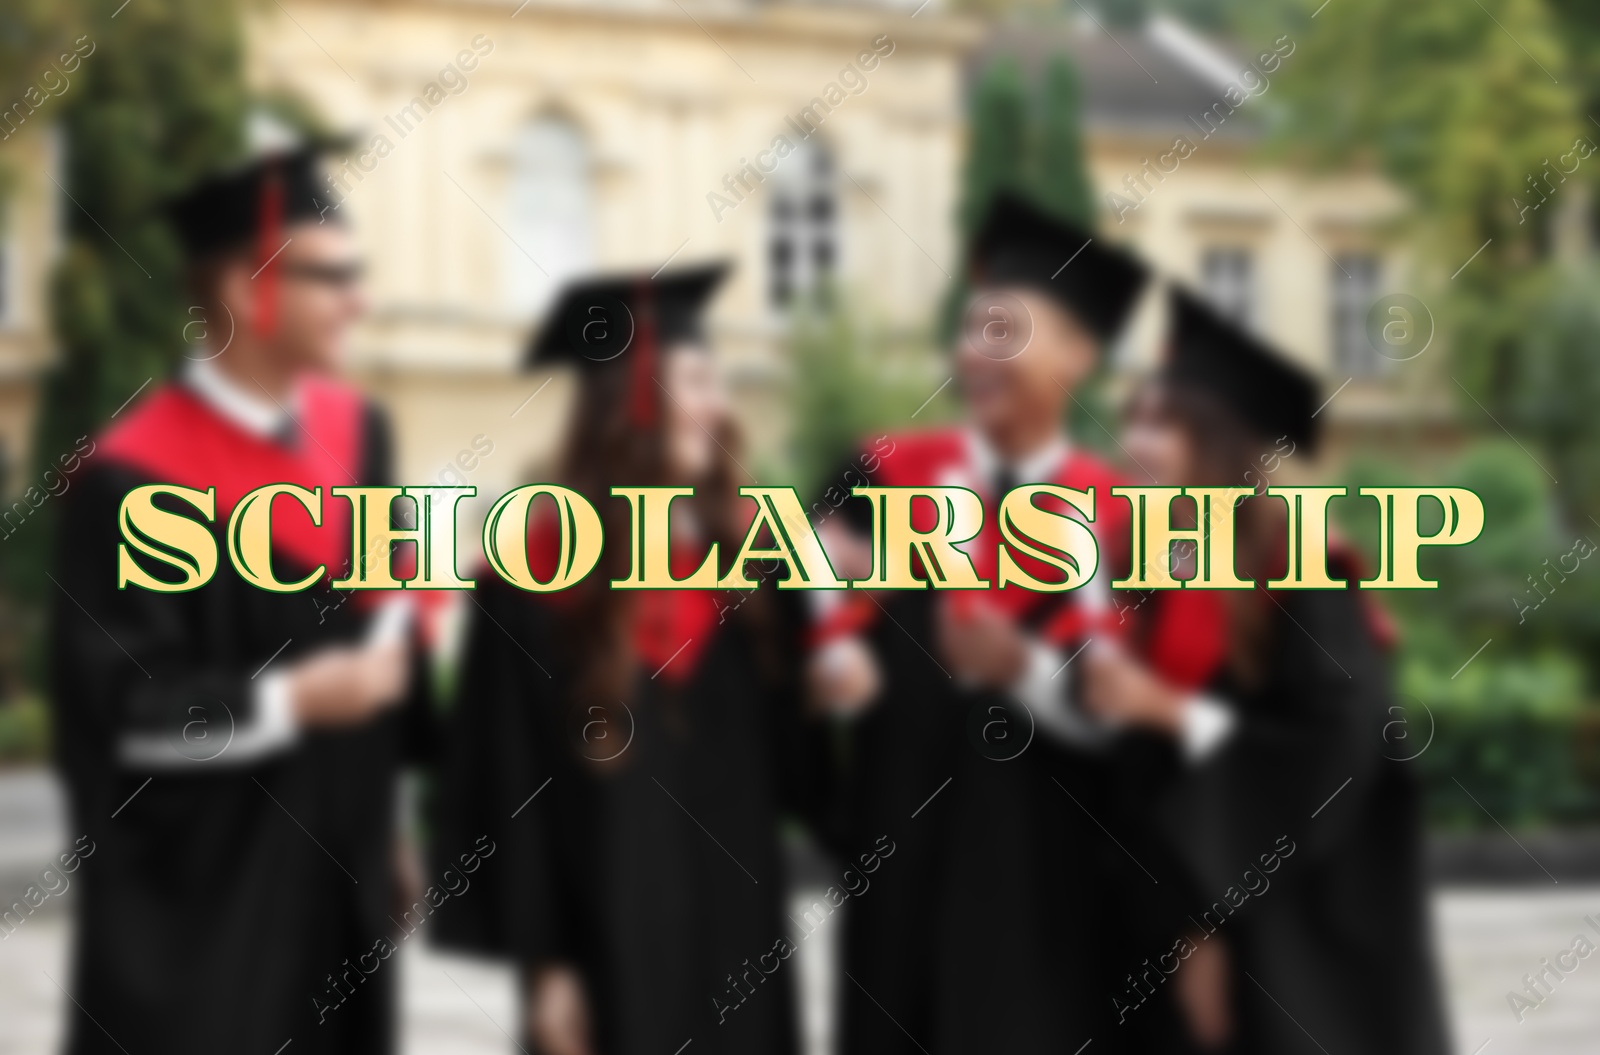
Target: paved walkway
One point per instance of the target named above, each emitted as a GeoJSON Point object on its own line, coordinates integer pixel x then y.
{"type": "Point", "coordinates": [1491, 938]}
{"type": "Point", "coordinates": [453, 1006]}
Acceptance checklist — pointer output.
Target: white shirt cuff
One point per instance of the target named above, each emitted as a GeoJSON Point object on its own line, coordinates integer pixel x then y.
{"type": "Point", "coordinates": [275, 722]}
{"type": "Point", "coordinates": [1044, 682]}
{"type": "Point", "coordinates": [392, 621]}
{"type": "Point", "coordinates": [1207, 725]}
{"type": "Point", "coordinates": [211, 736]}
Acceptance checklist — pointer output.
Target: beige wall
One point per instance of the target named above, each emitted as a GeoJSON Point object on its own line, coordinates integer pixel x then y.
{"type": "Point", "coordinates": [667, 113]}
{"type": "Point", "coordinates": [1224, 194]}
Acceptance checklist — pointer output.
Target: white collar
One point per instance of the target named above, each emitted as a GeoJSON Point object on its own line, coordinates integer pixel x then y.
{"type": "Point", "coordinates": [255, 413]}
{"type": "Point", "coordinates": [1037, 467]}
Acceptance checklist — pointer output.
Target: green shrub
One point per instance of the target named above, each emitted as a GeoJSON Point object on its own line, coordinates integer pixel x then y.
{"type": "Point", "coordinates": [1516, 732]}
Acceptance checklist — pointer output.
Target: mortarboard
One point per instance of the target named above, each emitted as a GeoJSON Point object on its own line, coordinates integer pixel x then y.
{"type": "Point", "coordinates": [247, 204]}
{"type": "Point", "coordinates": [609, 318]}
{"type": "Point", "coordinates": [1019, 244]}
{"type": "Point", "coordinates": [1271, 394]}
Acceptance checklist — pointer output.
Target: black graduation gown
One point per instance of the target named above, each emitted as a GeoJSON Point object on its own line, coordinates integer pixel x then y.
{"type": "Point", "coordinates": [1019, 892]}
{"type": "Point", "coordinates": [638, 843]}
{"type": "Point", "coordinates": [220, 896]}
{"type": "Point", "coordinates": [1330, 940]}
{"type": "Point", "coordinates": [1146, 894]}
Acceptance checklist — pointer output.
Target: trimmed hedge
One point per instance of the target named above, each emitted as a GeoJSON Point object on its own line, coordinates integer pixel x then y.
{"type": "Point", "coordinates": [1526, 770]}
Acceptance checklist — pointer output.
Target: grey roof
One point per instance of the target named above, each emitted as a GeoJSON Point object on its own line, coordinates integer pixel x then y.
{"type": "Point", "coordinates": [1134, 78]}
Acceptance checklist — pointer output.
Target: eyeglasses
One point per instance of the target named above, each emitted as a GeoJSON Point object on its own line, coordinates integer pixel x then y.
{"type": "Point", "coordinates": [339, 276]}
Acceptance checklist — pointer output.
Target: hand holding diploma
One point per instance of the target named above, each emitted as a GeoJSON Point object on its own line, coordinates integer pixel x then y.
{"type": "Point", "coordinates": [347, 685]}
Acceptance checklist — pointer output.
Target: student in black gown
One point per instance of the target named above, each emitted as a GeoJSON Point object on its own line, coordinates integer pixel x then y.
{"type": "Point", "coordinates": [231, 753]}
{"type": "Point", "coordinates": [621, 749]}
{"type": "Point", "coordinates": [991, 927]}
{"type": "Point", "coordinates": [1300, 836]}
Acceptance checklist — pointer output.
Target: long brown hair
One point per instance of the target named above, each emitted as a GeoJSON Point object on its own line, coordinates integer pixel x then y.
{"type": "Point", "coordinates": [605, 447]}
{"type": "Point", "coordinates": [1228, 452]}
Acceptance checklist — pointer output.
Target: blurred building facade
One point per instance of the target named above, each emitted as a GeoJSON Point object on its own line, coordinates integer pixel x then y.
{"type": "Point", "coordinates": [502, 148]}
{"type": "Point", "coordinates": [808, 143]}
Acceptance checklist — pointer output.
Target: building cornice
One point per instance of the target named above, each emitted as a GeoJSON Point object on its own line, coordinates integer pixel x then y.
{"type": "Point", "coordinates": [785, 22]}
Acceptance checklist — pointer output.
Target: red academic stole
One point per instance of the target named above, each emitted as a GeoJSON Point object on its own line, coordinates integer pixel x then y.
{"type": "Point", "coordinates": [672, 628]}
{"type": "Point", "coordinates": [1184, 634]}
{"type": "Point", "coordinates": [174, 437]}
{"type": "Point", "coordinates": [942, 459]}
{"type": "Point", "coordinates": [669, 630]}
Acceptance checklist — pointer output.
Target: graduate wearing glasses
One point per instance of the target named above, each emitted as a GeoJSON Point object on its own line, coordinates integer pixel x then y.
{"type": "Point", "coordinates": [233, 752]}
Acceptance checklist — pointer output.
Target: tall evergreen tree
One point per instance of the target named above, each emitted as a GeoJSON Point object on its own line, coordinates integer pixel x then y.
{"type": "Point", "coordinates": [159, 101]}
{"type": "Point", "coordinates": [1060, 173]}
{"type": "Point", "coordinates": [998, 140]}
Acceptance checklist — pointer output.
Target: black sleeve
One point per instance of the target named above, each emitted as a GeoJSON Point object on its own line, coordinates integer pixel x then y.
{"type": "Point", "coordinates": [500, 750]}
{"type": "Point", "coordinates": [1308, 744]}
{"type": "Point", "coordinates": [803, 742]}
{"type": "Point", "coordinates": [419, 710]}
{"type": "Point", "coordinates": [132, 660]}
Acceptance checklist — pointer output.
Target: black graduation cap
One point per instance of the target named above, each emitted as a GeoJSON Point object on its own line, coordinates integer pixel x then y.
{"type": "Point", "coordinates": [247, 205]}
{"type": "Point", "coordinates": [1269, 392]}
{"type": "Point", "coordinates": [1020, 244]}
{"type": "Point", "coordinates": [834, 495]}
{"type": "Point", "coordinates": [595, 320]}
{"type": "Point", "coordinates": [279, 181]}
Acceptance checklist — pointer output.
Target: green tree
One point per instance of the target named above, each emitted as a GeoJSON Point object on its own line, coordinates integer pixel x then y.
{"type": "Point", "coordinates": [852, 380]}
{"type": "Point", "coordinates": [160, 101]}
{"type": "Point", "coordinates": [1458, 103]}
{"type": "Point", "coordinates": [997, 147]}
{"type": "Point", "coordinates": [1531, 356]}
{"type": "Point", "coordinates": [1060, 174]}
{"type": "Point", "coordinates": [1579, 22]}
{"type": "Point", "coordinates": [997, 158]}
{"type": "Point", "coordinates": [1025, 141]}
{"type": "Point", "coordinates": [1060, 182]}
{"type": "Point", "coordinates": [32, 33]}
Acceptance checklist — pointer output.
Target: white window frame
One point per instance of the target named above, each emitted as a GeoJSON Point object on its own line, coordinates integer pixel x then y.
{"type": "Point", "coordinates": [805, 178]}
{"type": "Point", "coordinates": [1231, 282]}
{"type": "Point", "coordinates": [550, 212]}
{"type": "Point", "coordinates": [1354, 279]}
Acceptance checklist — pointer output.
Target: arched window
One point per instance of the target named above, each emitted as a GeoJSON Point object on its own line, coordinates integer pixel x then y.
{"type": "Point", "coordinates": [550, 215]}
{"type": "Point", "coordinates": [1228, 277]}
{"type": "Point", "coordinates": [803, 226]}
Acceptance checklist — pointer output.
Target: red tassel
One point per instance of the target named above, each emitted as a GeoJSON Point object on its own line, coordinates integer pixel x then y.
{"type": "Point", "coordinates": [641, 379]}
{"type": "Point", "coordinates": [268, 242]}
